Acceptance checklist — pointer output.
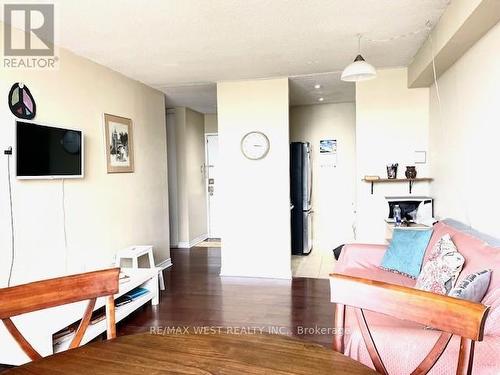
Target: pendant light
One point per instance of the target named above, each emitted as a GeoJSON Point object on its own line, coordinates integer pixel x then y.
{"type": "Point", "coordinates": [359, 70]}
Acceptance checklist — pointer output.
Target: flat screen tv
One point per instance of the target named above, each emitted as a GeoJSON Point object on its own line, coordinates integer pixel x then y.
{"type": "Point", "coordinates": [48, 152]}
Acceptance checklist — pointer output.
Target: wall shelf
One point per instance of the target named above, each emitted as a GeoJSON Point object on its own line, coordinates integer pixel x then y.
{"type": "Point", "coordinates": [410, 181]}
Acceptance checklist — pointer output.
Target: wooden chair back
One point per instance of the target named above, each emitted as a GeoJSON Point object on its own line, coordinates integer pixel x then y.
{"type": "Point", "coordinates": [452, 316]}
{"type": "Point", "coordinates": [39, 295]}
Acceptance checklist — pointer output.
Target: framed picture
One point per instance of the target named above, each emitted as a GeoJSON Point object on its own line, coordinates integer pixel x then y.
{"type": "Point", "coordinates": [328, 146]}
{"type": "Point", "coordinates": [119, 144]}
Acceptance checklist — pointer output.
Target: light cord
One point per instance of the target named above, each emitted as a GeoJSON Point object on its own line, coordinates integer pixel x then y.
{"type": "Point", "coordinates": [428, 27]}
{"type": "Point", "coordinates": [13, 252]}
{"type": "Point", "coordinates": [434, 73]}
{"type": "Point", "coordinates": [440, 121]}
{"type": "Point", "coordinates": [64, 226]}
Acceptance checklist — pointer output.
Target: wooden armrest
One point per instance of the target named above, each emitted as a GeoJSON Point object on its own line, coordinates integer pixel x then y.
{"type": "Point", "coordinates": [448, 314]}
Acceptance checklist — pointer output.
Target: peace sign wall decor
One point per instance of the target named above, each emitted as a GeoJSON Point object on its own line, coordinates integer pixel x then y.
{"type": "Point", "coordinates": [21, 102]}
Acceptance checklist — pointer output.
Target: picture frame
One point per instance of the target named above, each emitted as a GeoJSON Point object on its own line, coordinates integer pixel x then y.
{"type": "Point", "coordinates": [420, 157]}
{"type": "Point", "coordinates": [328, 146]}
{"type": "Point", "coordinates": [119, 145]}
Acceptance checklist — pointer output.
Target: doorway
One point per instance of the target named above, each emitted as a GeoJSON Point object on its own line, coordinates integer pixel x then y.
{"type": "Point", "coordinates": [213, 199]}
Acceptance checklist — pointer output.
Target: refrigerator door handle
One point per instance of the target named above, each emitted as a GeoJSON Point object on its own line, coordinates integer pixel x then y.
{"type": "Point", "coordinates": [310, 177]}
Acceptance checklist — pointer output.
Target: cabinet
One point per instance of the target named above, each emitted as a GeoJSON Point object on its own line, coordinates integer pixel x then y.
{"type": "Point", "coordinates": [39, 327]}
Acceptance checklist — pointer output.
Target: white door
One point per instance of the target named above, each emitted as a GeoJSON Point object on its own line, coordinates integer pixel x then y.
{"type": "Point", "coordinates": [212, 181]}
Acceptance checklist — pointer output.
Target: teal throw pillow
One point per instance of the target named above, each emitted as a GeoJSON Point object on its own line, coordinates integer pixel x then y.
{"type": "Point", "coordinates": [406, 251]}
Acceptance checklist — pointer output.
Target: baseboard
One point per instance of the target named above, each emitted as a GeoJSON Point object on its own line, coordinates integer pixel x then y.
{"type": "Point", "coordinates": [165, 264]}
{"type": "Point", "coordinates": [193, 242]}
{"type": "Point", "coordinates": [285, 275]}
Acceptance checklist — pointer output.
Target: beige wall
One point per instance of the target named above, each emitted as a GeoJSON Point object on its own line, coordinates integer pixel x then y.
{"type": "Point", "coordinates": [464, 137]}
{"type": "Point", "coordinates": [104, 212]}
{"type": "Point", "coordinates": [334, 188]}
{"type": "Point", "coordinates": [173, 194]}
{"type": "Point", "coordinates": [181, 169]}
{"type": "Point", "coordinates": [211, 123]}
{"type": "Point", "coordinates": [195, 157]}
{"type": "Point", "coordinates": [189, 192]}
{"type": "Point", "coordinates": [392, 122]}
{"type": "Point", "coordinates": [255, 204]}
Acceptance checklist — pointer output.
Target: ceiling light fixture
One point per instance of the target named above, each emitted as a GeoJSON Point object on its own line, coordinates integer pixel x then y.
{"type": "Point", "coordinates": [317, 86]}
{"type": "Point", "coordinates": [359, 70]}
{"type": "Point", "coordinates": [321, 99]}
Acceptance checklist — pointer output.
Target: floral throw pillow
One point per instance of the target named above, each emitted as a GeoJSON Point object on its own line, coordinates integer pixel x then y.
{"type": "Point", "coordinates": [441, 270]}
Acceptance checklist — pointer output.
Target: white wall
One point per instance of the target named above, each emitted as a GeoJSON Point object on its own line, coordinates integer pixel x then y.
{"type": "Point", "coordinates": [255, 195]}
{"type": "Point", "coordinates": [334, 188]}
{"type": "Point", "coordinates": [392, 122]}
{"type": "Point", "coordinates": [104, 212]}
{"type": "Point", "coordinates": [195, 159]}
{"type": "Point", "coordinates": [464, 137]}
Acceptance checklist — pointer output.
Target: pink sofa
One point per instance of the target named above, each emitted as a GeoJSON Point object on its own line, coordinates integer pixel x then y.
{"type": "Point", "coordinates": [403, 345]}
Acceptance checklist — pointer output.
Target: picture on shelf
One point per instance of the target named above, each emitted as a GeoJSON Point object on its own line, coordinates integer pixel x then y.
{"type": "Point", "coordinates": [119, 144]}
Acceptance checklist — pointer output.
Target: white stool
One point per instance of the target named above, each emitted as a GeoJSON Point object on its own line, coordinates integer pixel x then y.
{"type": "Point", "coordinates": [134, 253]}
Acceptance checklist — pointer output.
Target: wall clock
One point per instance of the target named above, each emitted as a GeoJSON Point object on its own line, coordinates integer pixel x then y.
{"type": "Point", "coordinates": [255, 145]}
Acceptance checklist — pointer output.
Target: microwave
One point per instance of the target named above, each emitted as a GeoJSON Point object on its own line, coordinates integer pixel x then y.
{"type": "Point", "coordinates": [419, 210]}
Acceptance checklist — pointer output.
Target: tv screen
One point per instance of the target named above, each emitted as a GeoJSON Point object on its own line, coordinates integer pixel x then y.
{"type": "Point", "coordinates": [48, 152]}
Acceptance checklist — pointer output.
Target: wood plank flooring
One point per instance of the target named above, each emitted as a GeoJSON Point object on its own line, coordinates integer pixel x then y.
{"type": "Point", "coordinates": [196, 296]}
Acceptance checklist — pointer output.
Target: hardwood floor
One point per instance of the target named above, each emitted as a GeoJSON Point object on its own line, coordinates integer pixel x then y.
{"type": "Point", "coordinates": [197, 296]}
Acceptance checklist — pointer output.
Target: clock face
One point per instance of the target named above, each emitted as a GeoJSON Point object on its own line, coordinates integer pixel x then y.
{"type": "Point", "coordinates": [255, 145]}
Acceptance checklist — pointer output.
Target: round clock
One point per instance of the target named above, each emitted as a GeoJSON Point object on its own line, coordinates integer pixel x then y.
{"type": "Point", "coordinates": [255, 145]}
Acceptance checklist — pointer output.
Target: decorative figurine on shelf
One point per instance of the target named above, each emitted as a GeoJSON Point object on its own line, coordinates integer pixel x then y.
{"type": "Point", "coordinates": [397, 216]}
{"type": "Point", "coordinates": [411, 172]}
{"type": "Point", "coordinates": [392, 171]}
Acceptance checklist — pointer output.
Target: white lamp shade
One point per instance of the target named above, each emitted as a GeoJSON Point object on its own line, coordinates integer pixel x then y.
{"type": "Point", "coordinates": [359, 70]}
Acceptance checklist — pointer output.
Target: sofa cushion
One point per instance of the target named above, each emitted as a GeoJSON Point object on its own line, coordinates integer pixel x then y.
{"type": "Point", "coordinates": [365, 256]}
{"type": "Point", "coordinates": [473, 287]}
{"type": "Point", "coordinates": [478, 256]}
{"type": "Point", "coordinates": [378, 274]}
{"type": "Point", "coordinates": [406, 251]}
{"type": "Point", "coordinates": [442, 268]}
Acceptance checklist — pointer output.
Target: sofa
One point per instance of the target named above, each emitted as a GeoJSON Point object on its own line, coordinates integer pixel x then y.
{"type": "Point", "coordinates": [402, 345]}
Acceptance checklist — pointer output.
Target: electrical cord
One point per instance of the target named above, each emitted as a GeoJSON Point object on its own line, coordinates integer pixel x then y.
{"type": "Point", "coordinates": [13, 251]}
{"type": "Point", "coordinates": [401, 36]}
{"type": "Point", "coordinates": [64, 225]}
{"type": "Point", "coordinates": [440, 122]}
{"type": "Point", "coordinates": [434, 72]}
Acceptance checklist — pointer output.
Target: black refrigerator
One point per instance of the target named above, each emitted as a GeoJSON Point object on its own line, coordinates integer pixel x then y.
{"type": "Point", "coordinates": [300, 195]}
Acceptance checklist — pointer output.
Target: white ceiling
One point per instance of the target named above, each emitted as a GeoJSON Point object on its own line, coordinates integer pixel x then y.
{"type": "Point", "coordinates": [200, 97]}
{"type": "Point", "coordinates": [170, 43]}
{"type": "Point", "coordinates": [332, 89]}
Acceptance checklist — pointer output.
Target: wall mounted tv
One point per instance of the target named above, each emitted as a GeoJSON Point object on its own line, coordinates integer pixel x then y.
{"type": "Point", "coordinates": [48, 152]}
